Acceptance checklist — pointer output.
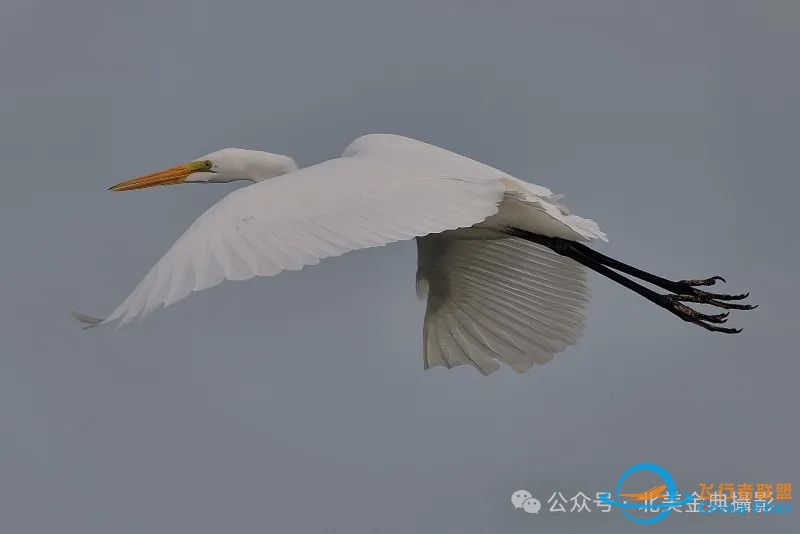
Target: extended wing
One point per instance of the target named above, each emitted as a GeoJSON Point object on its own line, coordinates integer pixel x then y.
{"type": "Point", "coordinates": [293, 220]}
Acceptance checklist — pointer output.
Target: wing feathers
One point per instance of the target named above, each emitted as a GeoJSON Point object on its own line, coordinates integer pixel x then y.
{"type": "Point", "coordinates": [504, 300]}
{"type": "Point", "coordinates": [297, 219]}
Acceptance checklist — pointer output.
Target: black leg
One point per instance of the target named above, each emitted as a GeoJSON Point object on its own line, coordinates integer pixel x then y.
{"type": "Point", "coordinates": [682, 287]}
{"type": "Point", "coordinates": [681, 291]}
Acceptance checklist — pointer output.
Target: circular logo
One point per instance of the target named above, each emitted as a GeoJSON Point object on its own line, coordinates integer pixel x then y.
{"type": "Point", "coordinates": [666, 508]}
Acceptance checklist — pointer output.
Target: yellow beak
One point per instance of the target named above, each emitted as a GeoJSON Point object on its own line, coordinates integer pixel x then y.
{"type": "Point", "coordinates": [173, 175]}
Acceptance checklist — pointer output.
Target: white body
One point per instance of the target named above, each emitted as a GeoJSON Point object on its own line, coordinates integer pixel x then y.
{"type": "Point", "coordinates": [491, 298]}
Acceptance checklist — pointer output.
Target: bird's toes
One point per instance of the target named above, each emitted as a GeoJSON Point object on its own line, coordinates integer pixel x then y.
{"type": "Point", "coordinates": [703, 281]}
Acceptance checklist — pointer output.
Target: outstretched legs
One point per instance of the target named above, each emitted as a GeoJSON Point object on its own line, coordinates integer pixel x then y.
{"type": "Point", "coordinates": [679, 291]}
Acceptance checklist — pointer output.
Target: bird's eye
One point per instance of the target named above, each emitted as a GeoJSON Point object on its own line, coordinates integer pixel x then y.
{"type": "Point", "coordinates": [208, 164]}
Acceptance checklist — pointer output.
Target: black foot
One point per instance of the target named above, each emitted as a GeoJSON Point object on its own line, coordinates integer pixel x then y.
{"type": "Point", "coordinates": [689, 287]}
{"type": "Point", "coordinates": [709, 322]}
{"type": "Point", "coordinates": [685, 291]}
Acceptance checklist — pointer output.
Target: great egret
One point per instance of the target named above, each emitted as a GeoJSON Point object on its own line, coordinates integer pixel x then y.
{"type": "Point", "coordinates": [501, 261]}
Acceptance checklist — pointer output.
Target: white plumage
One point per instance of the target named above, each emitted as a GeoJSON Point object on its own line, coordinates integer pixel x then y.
{"type": "Point", "coordinates": [491, 297]}
{"type": "Point", "coordinates": [497, 300]}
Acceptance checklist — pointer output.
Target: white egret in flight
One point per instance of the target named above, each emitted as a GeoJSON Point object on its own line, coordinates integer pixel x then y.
{"type": "Point", "coordinates": [501, 261]}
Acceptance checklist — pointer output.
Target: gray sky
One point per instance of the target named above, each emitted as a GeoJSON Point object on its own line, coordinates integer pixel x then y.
{"type": "Point", "coordinates": [298, 403]}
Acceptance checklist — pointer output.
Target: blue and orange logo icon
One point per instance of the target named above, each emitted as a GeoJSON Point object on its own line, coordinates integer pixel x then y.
{"type": "Point", "coordinates": [667, 489]}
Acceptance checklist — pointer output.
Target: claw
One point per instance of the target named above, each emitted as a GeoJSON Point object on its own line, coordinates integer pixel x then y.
{"type": "Point", "coordinates": [703, 281]}
{"type": "Point", "coordinates": [713, 328]}
{"type": "Point", "coordinates": [718, 318]}
{"type": "Point", "coordinates": [691, 291]}
{"type": "Point", "coordinates": [731, 306]}
{"type": "Point", "coordinates": [673, 304]}
{"type": "Point", "coordinates": [686, 291]}
{"type": "Point", "coordinates": [710, 299]}
{"type": "Point", "coordinates": [687, 287]}
{"type": "Point", "coordinates": [722, 296]}
{"type": "Point", "coordinates": [720, 328]}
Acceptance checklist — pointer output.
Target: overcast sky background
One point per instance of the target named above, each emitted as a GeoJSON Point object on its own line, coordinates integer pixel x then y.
{"type": "Point", "coordinates": [299, 403]}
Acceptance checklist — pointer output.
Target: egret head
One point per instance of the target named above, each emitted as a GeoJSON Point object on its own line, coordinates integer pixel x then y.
{"type": "Point", "coordinates": [226, 165]}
